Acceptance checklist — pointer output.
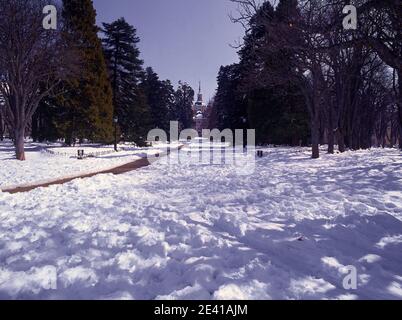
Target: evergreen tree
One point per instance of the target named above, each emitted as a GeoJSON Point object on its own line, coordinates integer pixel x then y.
{"type": "Point", "coordinates": [87, 108]}
{"type": "Point", "coordinates": [280, 117]}
{"type": "Point", "coordinates": [160, 96]}
{"type": "Point", "coordinates": [184, 98]}
{"type": "Point", "coordinates": [134, 121]}
{"type": "Point", "coordinates": [275, 105]}
{"type": "Point", "coordinates": [230, 105]}
{"type": "Point", "coordinates": [44, 121]}
{"type": "Point", "coordinates": [126, 72]}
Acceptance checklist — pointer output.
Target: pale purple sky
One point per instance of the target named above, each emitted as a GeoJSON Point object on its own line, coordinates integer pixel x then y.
{"type": "Point", "coordinates": [181, 39]}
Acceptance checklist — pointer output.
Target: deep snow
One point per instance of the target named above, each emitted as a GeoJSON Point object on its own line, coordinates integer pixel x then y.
{"type": "Point", "coordinates": [188, 231]}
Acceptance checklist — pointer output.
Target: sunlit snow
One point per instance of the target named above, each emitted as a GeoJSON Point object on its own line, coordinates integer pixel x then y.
{"type": "Point", "coordinates": [192, 231]}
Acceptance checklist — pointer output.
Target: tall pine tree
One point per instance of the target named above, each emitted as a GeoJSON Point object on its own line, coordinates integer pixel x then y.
{"type": "Point", "coordinates": [275, 104]}
{"type": "Point", "coordinates": [43, 121]}
{"type": "Point", "coordinates": [184, 98]}
{"type": "Point", "coordinates": [229, 102]}
{"type": "Point", "coordinates": [125, 70]}
{"type": "Point", "coordinates": [87, 108]}
{"type": "Point", "coordinates": [160, 97]}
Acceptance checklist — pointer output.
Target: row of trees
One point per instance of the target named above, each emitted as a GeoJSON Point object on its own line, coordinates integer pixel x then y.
{"type": "Point", "coordinates": [302, 78]}
{"type": "Point", "coordinates": [301, 70]}
{"type": "Point", "coordinates": [70, 83]}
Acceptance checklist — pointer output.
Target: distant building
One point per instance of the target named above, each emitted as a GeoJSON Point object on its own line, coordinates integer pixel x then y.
{"type": "Point", "coordinates": [199, 113]}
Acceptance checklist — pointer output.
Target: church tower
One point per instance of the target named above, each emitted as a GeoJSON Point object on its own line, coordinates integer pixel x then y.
{"type": "Point", "coordinates": [199, 96]}
{"type": "Point", "coordinates": [199, 104]}
{"type": "Point", "coordinates": [199, 111]}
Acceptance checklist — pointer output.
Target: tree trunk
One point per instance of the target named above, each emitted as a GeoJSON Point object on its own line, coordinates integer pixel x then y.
{"type": "Point", "coordinates": [35, 128]}
{"type": "Point", "coordinates": [1, 127]}
{"type": "Point", "coordinates": [19, 144]}
{"type": "Point", "coordinates": [341, 141]}
{"type": "Point", "coordinates": [400, 107]}
{"type": "Point", "coordinates": [315, 121]}
{"type": "Point", "coordinates": [331, 141]}
{"type": "Point", "coordinates": [331, 131]}
{"type": "Point", "coordinates": [315, 140]}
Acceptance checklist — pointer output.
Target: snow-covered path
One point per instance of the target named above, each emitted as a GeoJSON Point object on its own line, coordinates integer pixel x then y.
{"type": "Point", "coordinates": [202, 232]}
{"type": "Point", "coordinates": [42, 167]}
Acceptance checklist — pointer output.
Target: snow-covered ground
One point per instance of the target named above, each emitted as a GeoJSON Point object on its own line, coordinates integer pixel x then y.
{"type": "Point", "coordinates": [199, 231]}
{"type": "Point", "coordinates": [59, 162]}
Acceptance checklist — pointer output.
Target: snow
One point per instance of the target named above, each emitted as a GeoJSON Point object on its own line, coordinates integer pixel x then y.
{"type": "Point", "coordinates": [190, 230]}
{"type": "Point", "coordinates": [61, 162]}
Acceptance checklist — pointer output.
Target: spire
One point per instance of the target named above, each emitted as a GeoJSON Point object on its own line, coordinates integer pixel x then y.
{"type": "Point", "coordinates": [199, 98]}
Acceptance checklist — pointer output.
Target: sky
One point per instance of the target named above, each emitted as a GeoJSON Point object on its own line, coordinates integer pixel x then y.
{"type": "Point", "coordinates": [184, 40]}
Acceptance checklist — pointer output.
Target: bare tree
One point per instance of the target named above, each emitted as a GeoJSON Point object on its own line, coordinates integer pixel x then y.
{"type": "Point", "coordinates": [381, 29]}
{"type": "Point", "coordinates": [298, 37]}
{"type": "Point", "coordinates": [335, 68]}
{"type": "Point", "coordinates": [33, 61]}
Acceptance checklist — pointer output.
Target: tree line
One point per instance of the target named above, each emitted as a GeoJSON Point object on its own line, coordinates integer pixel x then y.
{"type": "Point", "coordinates": [72, 83]}
{"type": "Point", "coordinates": [304, 79]}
